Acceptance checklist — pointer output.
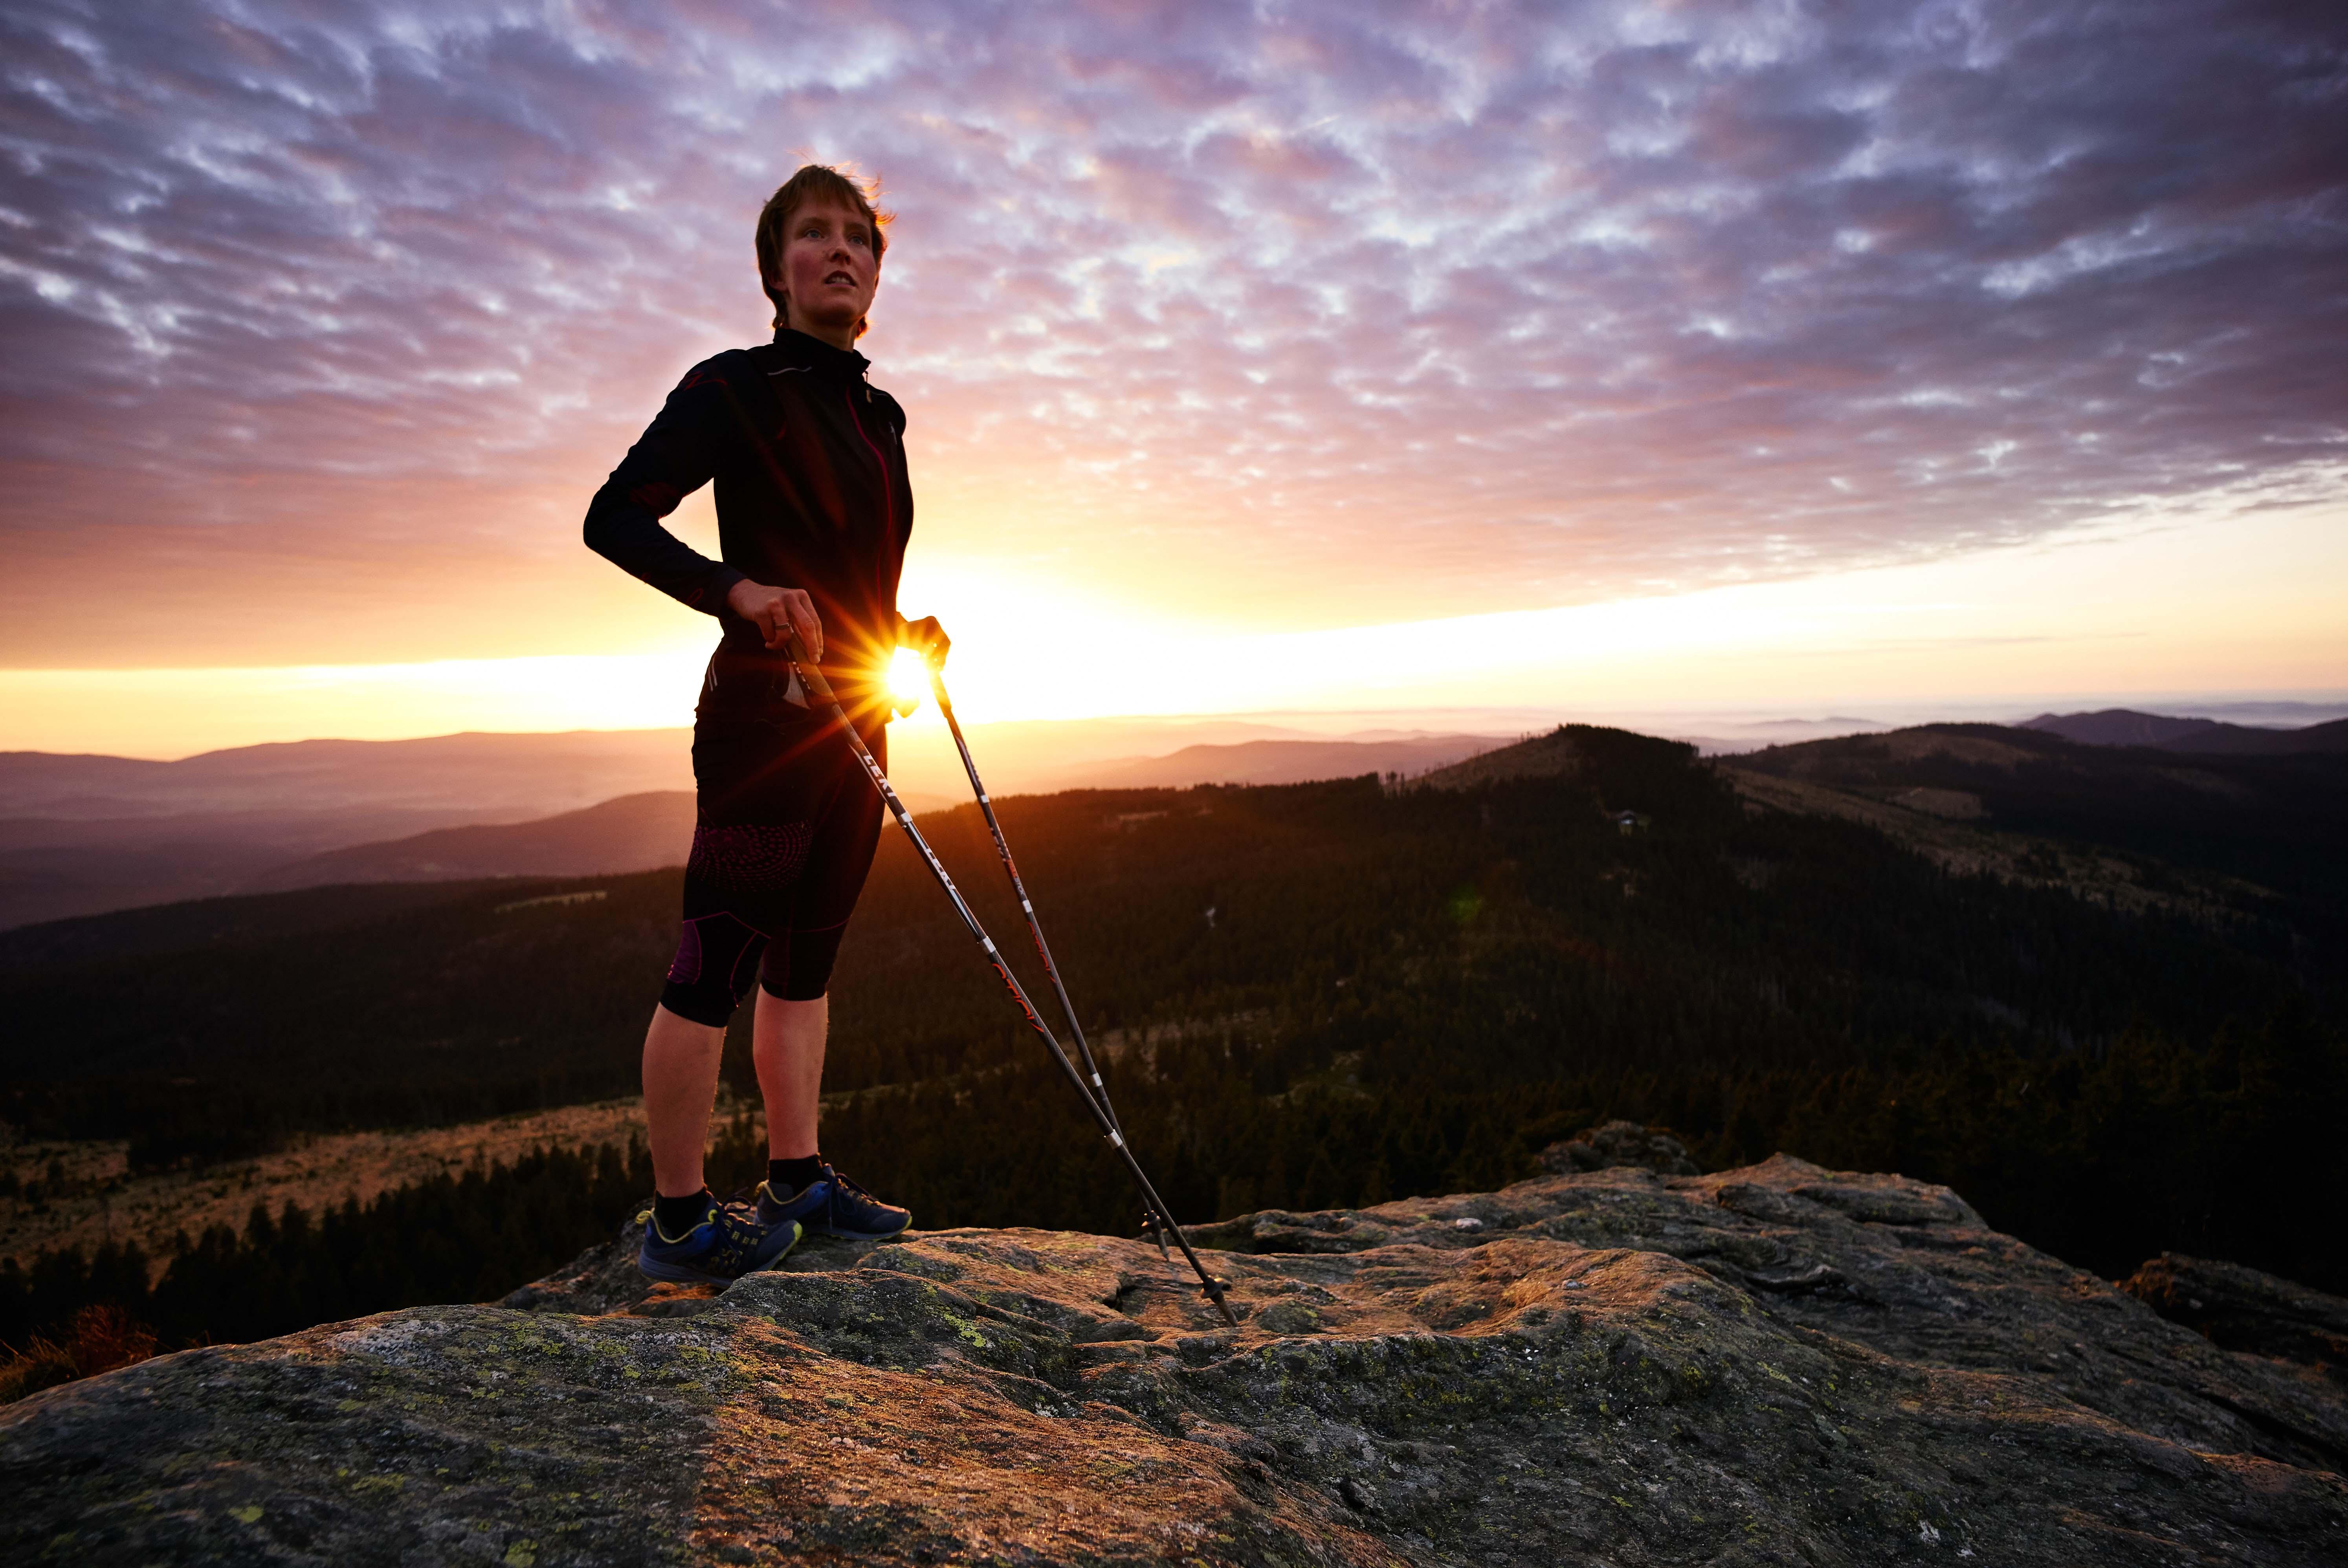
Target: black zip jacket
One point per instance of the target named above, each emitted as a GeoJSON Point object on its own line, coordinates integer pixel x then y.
{"type": "Point", "coordinates": [809, 458]}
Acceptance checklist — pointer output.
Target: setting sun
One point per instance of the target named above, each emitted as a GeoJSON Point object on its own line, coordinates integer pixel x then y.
{"type": "Point", "coordinates": [909, 679]}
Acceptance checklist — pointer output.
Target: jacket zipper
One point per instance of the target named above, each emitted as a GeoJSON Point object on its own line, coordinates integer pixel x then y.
{"type": "Point", "coordinates": [888, 491]}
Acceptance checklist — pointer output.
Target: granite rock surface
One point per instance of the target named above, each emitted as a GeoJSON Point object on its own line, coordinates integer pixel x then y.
{"type": "Point", "coordinates": [1620, 1144]}
{"type": "Point", "coordinates": [2244, 1309]}
{"type": "Point", "coordinates": [1774, 1364]}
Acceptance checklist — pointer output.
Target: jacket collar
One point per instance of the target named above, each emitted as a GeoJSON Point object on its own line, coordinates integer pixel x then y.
{"type": "Point", "coordinates": [814, 354]}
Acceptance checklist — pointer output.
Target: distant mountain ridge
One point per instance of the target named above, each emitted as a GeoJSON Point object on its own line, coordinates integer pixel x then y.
{"type": "Point", "coordinates": [2272, 819]}
{"type": "Point", "coordinates": [642, 832]}
{"type": "Point", "coordinates": [633, 833]}
{"type": "Point", "coordinates": [1284, 762]}
{"type": "Point", "coordinates": [482, 773]}
{"type": "Point", "coordinates": [1535, 756]}
{"type": "Point", "coordinates": [81, 835]}
{"type": "Point", "coordinates": [2127, 727]}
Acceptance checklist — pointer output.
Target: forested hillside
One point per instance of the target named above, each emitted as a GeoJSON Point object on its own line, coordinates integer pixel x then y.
{"type": "Point", "coordinates": [2274, 820]}
{"type": "Point", "coordinates": [1332, 993]}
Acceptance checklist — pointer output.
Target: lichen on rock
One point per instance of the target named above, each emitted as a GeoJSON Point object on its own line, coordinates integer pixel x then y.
{"type": "Point", "coordinates": [1614, 1365]}
{"type": "Point", "coordinates": [1620, 1144]}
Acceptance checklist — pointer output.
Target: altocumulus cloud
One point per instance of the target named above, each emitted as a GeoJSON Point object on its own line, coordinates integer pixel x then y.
{"type": "Point", "coordinates": [1328, 313]}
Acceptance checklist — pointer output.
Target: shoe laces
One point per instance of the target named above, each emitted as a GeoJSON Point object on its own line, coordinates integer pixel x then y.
{"type": "Point", "coordinates": [851, 1183]}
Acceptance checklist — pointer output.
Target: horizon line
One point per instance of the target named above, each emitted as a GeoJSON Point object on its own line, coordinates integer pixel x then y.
{"type": "Point", "coordinates": [2314, 702]}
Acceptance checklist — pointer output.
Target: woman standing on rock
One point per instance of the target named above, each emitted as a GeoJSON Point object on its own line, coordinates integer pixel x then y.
{"type": "Point", "coordinates": [813, 513]}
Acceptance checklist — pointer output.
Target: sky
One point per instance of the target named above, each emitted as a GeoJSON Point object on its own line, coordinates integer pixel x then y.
{"type": "Point", "coordinates": [1344, 358]}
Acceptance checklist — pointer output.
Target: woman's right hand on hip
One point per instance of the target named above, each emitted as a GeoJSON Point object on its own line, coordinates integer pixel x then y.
{"type": "Point", "coordinates": [777, 612]}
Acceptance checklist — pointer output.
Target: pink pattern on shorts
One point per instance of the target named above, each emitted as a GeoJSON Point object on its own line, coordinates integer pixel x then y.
{"type": "Point", "coordinates": [751, 859]}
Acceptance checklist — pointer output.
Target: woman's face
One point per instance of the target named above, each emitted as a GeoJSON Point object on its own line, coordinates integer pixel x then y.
{"type": "Point", "coordinates": [828, 271]}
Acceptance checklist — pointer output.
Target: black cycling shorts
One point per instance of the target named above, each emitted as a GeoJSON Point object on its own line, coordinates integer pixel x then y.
{"type": "Point", "coordinates": [786, 823]}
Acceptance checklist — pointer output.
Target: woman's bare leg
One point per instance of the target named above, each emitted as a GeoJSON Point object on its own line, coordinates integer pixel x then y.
{"type": "Point", "coordinates": [681, 1060]}
{"type": "Point", "coordinates": [787, 1046]}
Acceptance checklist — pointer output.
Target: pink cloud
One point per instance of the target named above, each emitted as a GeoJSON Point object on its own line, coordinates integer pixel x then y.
{"type": "Point", "coordinates": [1352, 311]}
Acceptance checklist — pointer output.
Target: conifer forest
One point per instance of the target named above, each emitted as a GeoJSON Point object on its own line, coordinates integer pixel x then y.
{"type": "Point", "coordinates": [1305, 996]}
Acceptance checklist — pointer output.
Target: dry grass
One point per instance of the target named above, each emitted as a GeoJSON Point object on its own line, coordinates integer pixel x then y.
{"type": "Point", "coordinates": [1933, 824]}
{"type": "Point", "coordinates": [99, 1339]}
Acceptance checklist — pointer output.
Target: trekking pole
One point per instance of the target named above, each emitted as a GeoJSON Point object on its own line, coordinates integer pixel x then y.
{"type": "Point", "coordinates": [1156, 1222]}
{"type": "Point", "coordinates": [820, 690]}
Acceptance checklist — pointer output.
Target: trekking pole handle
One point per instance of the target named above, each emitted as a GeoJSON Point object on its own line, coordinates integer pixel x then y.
{"type": "Point", "coordinates": [817, 687]}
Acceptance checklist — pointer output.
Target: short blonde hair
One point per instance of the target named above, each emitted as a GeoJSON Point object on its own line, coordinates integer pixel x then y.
{"type": "Point", "coordinates": [816, 182]}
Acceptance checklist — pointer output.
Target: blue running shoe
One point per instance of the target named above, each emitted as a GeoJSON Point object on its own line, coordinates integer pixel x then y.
{"type": "Point", "coordinates": [832, 1205]}
{"type": "Point", "coordinates": [729, 1243]}
{"type": "Point", "coordinates": [787, 1207]}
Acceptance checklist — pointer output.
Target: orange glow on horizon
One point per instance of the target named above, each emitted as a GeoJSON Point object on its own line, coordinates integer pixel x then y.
{"type": "Point", "coordinates": [2197, 607]}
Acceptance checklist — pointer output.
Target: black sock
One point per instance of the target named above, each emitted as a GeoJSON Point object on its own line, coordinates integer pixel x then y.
{"type": "Point", "coordinates": [784, 1177]}
{"type": "Point", "coordinates": [675, 1216]}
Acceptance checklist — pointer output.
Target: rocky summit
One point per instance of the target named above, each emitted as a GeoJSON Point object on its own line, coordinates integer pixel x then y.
{"type": "Point", "coordinates": [1614, 1365]}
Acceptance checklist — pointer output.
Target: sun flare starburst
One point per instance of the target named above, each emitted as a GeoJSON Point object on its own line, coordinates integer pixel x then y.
{"type": "Point", "coordinates": [909, 679]}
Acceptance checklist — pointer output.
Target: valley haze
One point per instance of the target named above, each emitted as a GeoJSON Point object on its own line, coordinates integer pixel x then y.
{"type": "Point", "coordinates": [83, 834]}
